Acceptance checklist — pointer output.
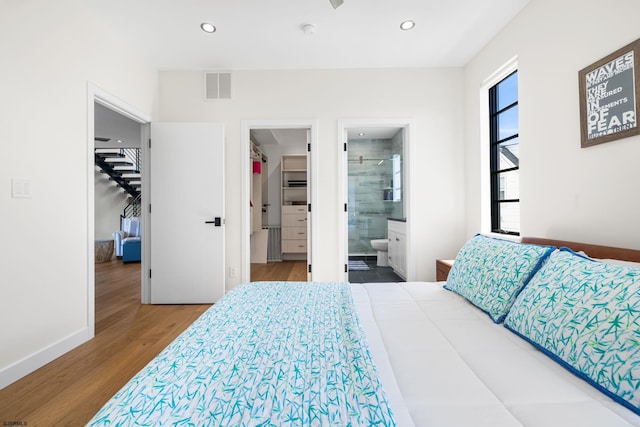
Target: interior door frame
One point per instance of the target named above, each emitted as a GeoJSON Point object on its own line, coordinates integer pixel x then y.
{"type": "Point", "coordinates": [312, 173]}
{"type": "Point", "coordinates": [343, 184]}
{"type": "Point", "coordinates": [97, 95]}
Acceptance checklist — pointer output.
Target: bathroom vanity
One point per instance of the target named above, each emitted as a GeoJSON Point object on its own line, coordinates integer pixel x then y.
{"type": "Point", "coordinates": [397, 232]}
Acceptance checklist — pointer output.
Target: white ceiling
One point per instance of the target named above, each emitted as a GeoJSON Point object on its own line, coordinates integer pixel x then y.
{"type": "Point", "coordinates": [267, 34]}
{"type": "Point", "coordinates": [261, 34]}
{"type": "Point", "coordinates": [121, 131]}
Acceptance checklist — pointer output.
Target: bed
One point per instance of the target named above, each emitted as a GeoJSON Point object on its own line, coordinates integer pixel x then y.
{"type": "Point", "coordinates": [417, 353]}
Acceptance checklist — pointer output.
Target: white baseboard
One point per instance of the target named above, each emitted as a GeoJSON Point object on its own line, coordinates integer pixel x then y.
{"type": "Point", "coordinates": [24, 367]}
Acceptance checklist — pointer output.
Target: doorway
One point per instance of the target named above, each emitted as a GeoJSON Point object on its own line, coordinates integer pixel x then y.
{"type": "Point", "coordinates": [108, 117]}
{"type": "Point", "coordinates": [118, 185]}
{"type": "Point", "coordinates": [375, 186]}
{"type": "Point", "coordinates": [278, 193]}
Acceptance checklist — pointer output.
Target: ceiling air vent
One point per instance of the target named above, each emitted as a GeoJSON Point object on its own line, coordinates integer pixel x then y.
{"type": "Point", "coordinates": [217, 85]}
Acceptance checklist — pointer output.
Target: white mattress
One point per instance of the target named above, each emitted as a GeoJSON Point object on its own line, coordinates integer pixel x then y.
{"type": "Point", "coordinates": [443, 362]}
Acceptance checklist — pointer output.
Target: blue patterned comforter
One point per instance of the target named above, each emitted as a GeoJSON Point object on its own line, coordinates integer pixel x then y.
{"type": "Point", "coordinates": [267, 354]}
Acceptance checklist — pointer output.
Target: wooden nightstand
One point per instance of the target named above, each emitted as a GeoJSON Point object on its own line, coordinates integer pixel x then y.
{"type": "Point", "coordinates": [442, 269]}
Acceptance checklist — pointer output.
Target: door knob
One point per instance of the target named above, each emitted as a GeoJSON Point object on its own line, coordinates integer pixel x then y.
{"type": "Point", "coordinates": [217, 221]}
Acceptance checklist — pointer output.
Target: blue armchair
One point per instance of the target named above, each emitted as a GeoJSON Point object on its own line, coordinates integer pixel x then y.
{"type": "Point", "coordinates": [127, 241]}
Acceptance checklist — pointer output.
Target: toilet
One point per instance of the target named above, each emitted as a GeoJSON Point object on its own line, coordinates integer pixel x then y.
{"type": "Point", "coordinates": [382, 246]}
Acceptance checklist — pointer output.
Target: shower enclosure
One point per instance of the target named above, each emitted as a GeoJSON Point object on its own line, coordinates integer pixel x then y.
{"type": "Point", "coordinates": [375, 190]}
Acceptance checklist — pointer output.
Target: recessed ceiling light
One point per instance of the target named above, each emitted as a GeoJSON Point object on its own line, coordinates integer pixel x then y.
{"type": "Point", "coordinates": [407, 25]}
{"type": "Point", "coordinates": [208, 28]}
{"type": "Point", "coordinates": [119, 141]}
{"type": "Point", "coordinates": [361, 134]}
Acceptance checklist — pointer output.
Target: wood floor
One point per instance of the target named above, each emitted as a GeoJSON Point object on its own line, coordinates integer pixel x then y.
{"type": "Point", "coordinates": [292, 271]}
{"type": "Point", "coordinates": [71, 389]}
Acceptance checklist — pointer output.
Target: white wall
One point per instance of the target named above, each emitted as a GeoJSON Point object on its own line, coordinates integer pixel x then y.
{"type": "Point", "coordinates": [567, 192]}
{"type": "Point", "coordinates": [50, 51]}
{"type": "Point", "coordinates": [431, 97]}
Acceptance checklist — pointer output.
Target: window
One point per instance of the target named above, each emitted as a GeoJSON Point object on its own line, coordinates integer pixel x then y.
{"type": "Point", "coordinates": [504, 156]}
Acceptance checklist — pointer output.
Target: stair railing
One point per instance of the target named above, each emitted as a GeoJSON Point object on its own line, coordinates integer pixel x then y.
{"type": "Point", "coordinates": [133, 155]}
{"type": "Point", "coordinates": [134, 208]}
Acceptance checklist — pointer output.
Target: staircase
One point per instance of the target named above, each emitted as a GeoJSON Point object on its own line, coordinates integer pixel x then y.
{"type": "Point", "coordinates": [123, 166]}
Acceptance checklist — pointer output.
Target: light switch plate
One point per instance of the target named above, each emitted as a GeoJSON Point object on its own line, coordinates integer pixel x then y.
{"type": "Point", "coordinates": [21, 188]}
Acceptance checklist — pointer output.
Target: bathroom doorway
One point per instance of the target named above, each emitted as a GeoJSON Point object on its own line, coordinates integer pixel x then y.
{"type": "Point", "coordinates": [375, 203]}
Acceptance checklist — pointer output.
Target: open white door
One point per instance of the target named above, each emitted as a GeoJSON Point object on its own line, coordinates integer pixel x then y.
{"type": "Point", "coordinates": [187, 213]}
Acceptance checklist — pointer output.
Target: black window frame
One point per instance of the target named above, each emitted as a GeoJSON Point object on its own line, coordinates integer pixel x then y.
{"type": "Point", "coordinates": [494, 155]}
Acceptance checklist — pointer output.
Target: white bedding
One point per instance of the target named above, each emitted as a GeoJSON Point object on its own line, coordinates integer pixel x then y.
{"type": "Point", "coordinates": [443, 362]}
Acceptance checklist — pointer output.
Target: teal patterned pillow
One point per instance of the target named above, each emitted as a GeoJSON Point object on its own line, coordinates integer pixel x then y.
{"type": "Point", "coordinates": [491, 272]}
{"type": "Point", "coordinates": [585, 314]}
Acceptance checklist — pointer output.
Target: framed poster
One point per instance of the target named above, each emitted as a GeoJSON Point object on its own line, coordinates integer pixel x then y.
{"type": "Point", "coordinates": [609, 102]}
